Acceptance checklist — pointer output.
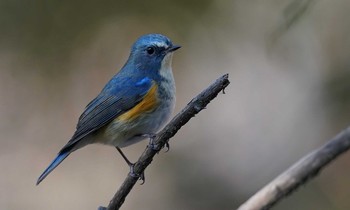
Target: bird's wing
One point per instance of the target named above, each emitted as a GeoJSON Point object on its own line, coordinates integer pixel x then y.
{"type": "Point", "coordinates": [112, 102]}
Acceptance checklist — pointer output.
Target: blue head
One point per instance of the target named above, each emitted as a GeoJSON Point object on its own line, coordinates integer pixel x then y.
{"type": "Point", "coordinates": [151, 53]}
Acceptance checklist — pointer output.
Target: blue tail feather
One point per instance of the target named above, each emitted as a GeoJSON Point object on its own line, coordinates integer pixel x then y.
{"type": "Point", "coordinates": [52, 166]}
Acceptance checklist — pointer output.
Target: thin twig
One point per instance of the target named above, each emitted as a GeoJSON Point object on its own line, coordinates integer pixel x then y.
{"type": "Point", "coordinates": [192, 108]}
{"type": "Point", "coordinates": [299, 173]}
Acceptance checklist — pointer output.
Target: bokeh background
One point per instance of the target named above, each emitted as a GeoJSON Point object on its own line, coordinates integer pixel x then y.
{"type": "Point", "coordinates": [289, 68]}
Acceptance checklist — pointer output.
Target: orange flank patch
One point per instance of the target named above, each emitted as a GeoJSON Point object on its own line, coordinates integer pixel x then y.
{"type": "Point", "coordinates": [148, 103]}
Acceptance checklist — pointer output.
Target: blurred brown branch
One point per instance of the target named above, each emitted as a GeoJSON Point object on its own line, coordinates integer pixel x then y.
{"type": "Point", "coordinates": [193, 107]}
{"type": "Point", "coordinates": [293, 13]}
{"type": "Point", "coordinates": [299, 173]}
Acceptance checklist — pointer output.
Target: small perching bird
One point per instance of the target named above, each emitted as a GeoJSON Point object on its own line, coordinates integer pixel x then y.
{"type": "Point", "coordinates": [133, 105]}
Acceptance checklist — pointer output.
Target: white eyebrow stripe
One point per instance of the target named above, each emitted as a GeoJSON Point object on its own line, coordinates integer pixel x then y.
{"type": "Point", "coordinates": [161, 44]}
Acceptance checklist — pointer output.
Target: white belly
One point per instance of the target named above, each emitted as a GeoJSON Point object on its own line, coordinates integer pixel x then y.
{"type": "Point", "coordinates": [124, 133]}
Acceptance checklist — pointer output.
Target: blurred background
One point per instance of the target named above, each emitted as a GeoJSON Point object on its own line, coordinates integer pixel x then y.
{"type": "Point", "coordinates": [289, 69]}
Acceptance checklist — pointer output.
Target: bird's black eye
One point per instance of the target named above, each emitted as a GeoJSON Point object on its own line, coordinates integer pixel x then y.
{"type": "Point", "coordinates": [150, 50]}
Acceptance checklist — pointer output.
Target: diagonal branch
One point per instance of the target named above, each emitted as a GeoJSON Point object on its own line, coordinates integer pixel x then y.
{"type": "Point", "coordinates": [299, 173]}
{"type": "Point", "coordinates": [192, 108]}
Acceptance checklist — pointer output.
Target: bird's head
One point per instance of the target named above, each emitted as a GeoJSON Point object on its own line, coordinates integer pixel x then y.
{"type": "Point", "coordinates": [152, 52]}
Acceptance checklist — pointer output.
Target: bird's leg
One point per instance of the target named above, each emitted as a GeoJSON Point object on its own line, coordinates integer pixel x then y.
{"type": "Point", "coordinates": [154, 146]}
{"type": "Point", "coordinates": [131, 165]}
{"type": "Point", "coordinates": [124, 157]}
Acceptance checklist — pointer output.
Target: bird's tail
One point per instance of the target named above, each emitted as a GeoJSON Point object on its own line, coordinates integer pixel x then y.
{"type": "Point", "coordinates": [60, 157]}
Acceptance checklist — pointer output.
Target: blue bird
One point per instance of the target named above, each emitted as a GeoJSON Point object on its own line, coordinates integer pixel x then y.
{"type": "Point", "coordinates": [133, 105]}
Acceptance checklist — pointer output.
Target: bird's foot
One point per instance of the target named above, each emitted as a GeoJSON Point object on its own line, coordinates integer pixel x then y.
{"type": "Point", "coordinates": [155, 146]}
{"type": "Point", "coordinates": [151, 144]}
{"type": "Point", "coordinates": [135, 175]}
{"type": "Point", "coordinates": [131, 166]}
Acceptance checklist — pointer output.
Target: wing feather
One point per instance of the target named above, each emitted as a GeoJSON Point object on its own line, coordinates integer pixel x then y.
{"type": "Point", "coordinates": [108, 105]}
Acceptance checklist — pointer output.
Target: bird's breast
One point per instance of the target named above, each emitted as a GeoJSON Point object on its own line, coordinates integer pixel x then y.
{"type": "Point", "coordinates": [147, 117]}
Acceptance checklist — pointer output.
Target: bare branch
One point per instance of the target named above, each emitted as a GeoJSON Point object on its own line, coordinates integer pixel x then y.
{"type": "Point", "coordinates": [192, 108]}
{"type": "Point", "coordinates": [299, 173]}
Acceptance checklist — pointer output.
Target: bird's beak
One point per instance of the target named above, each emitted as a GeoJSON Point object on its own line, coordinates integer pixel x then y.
{"type": "Point", "coordinates": [173, 48]}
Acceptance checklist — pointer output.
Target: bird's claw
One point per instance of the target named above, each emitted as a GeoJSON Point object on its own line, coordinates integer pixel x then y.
{"type": "Point", "coordinates": [223, 91]}
{"type": "Point", "coordinates": [154, 146]}
{"type": "Point", "coordinates": [142, 178]}
{"type": "Point", "coordinates": [151, 144]}
{"type": "Point", "coordinates": [135, 175]}
{"type": "Point", "coordinates": [157, 148]}
{"type": "Point", "coordinates": [167, 146]}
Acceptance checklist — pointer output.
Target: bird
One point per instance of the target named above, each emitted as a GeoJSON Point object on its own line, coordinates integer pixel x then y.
{"type": "Point", "coordinates": [134, 104]}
